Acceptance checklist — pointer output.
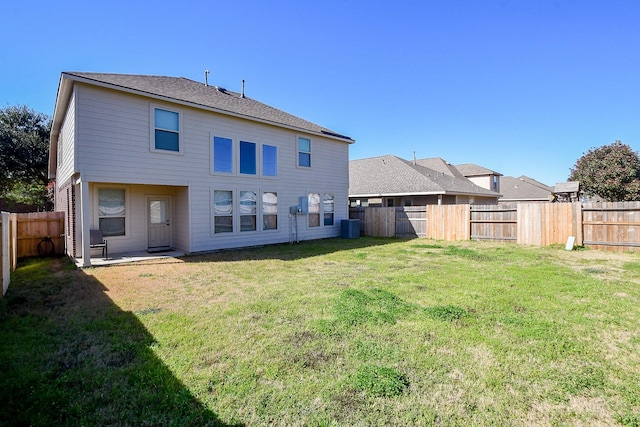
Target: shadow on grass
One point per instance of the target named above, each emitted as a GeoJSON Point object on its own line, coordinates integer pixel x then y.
{"type": "Point", "coordinates": [70, 356]}
{"type": "Point", "coordinates": [293, 251]}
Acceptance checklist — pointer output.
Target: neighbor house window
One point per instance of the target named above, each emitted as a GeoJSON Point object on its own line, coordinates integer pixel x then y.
{"type": "Point", "coordinates": [111, 211]}
{"type": "Point", "coordinates": [222, 211]}
{"type": "Point", "coordinates": [269, 211]}
{"type": "Point", "coordinates": [313, 200]}
{"type": "Point", "coordinates": [166, 130]}
{"type": "Point", "coordinates": [269, 160]}
{"type": "Point", "coordinates": [248, 158]}
{"type": "Point", "coordinates": [304, 152]}
{"type": "Point", "coordinates": [327, 207]}
{"type": "Point", "coordinates": [222, 155]}
{"type": "Point", "coordinates": [495, 182]}
{"type": "Point", "coordinates": [248, 211]}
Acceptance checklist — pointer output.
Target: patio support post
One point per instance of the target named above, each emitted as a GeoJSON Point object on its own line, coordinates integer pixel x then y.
{"type": "Point", "coordinates": [85, 223]}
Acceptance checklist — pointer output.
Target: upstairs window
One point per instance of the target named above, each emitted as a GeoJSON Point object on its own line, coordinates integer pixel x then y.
{"type": "Point", "coordinates": [222, 155]}
{"type": "Point", "coordinates": [166, 130]}
{"type": "Point", "coordinates": [248, 158]}
{"type": "Point", "coordinates": [269, 160]}
{"type": "Point", "coordinates": [304, 152]}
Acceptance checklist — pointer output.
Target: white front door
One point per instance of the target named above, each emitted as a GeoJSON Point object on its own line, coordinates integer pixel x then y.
{"type": "Point", "coordinates": [159, 222]}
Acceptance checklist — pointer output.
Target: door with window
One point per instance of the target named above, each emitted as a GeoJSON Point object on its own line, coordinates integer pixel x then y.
{"type": "Point", "coordinates": [159, 222]}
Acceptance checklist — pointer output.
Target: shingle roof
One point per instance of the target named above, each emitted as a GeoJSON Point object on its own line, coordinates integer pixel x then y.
{"type": "Point", "coordinates": [440, 165]}
{"type": "Point", "coordinates": [470, 169]}
{"type": "Point", "coordinates": [198, 94]}
{"type": "Point", "coordinates": [391, 175]}
{"type": "Point", "coordinates": [523, 188]}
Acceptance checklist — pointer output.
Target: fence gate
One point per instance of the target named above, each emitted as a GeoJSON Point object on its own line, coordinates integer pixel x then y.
{"type": "Point", "coordinates": [411, 221]}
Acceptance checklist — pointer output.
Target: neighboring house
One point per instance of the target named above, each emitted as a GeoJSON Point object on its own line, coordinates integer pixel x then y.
{"type": "Point", "coordinates": [392, 181]}
{"type": "Point", "coordinates": [163, 162]}
{"type": "Point", "coordinates": [524, 189]}
{"type": "Point", "coordinates": [485, 178]}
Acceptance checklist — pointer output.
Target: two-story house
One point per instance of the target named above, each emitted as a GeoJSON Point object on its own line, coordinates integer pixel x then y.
{"type": "Point", "coordinates": [163, 162]}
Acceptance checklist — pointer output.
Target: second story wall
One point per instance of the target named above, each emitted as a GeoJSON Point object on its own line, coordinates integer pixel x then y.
{"type": "Point", "coordinates": [115, 133]}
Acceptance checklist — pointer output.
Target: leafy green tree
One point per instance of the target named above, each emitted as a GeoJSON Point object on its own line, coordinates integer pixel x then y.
{"type": "Point", "coordinates": [611, 172]}
{"type": "Point", "coordinates": [24, 155]}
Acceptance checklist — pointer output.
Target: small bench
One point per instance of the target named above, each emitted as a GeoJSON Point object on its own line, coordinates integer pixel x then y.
{"type": "Point", "coordinates": [97, 241]}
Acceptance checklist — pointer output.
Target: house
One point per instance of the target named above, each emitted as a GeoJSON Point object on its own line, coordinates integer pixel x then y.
{"type": "Point", "coordinates": [163, 162]}
{"type": "Point", "coordinates": [392, 181]}
{"type": "Point", "coordinates": [524, 189]}
{"type": "Point", "coordinates": [479, 175]}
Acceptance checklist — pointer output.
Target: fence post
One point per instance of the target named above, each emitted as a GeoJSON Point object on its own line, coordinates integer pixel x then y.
{"type": "Point", "coordinates": [5, 251]}
{"type": "Point", "coordinates": [577, 215]}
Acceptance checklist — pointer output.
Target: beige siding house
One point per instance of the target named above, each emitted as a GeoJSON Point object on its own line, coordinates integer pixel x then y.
{"type": "Point", "coordinates": [481, 176]}
{"type": "Point", "coordinates": [162, 162]}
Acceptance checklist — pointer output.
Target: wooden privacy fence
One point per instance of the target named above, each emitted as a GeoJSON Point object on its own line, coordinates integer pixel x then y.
{"type": "Point", "coordinates": [609, 226]}
{"type": "Point", "coordinates": [409, 221]}
{"type": "Point", "coordinates": [28, 234]}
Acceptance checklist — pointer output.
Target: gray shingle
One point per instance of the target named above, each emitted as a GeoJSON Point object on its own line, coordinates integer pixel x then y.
{"type": "Point", "coordinates": [195, 93]}
{"type": "Point", "coordinates": [390, 175]}
{"type": "Point", "coordinates": [523, 188]}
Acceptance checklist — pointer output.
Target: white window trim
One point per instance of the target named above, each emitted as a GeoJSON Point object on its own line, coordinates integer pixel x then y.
{"type": "Point", "coordinates": [235, 192]}
{"type": "Point", "coordinates": [298, 152]}
{"type": "Point", "coordinates": [234, 223]}
{"type": "Point", "coordinates": [234, 153]}
{"type": "Point", "coordinates": [127, 209]}
{"type": "Point", "coordinates": [261, 214]}
{"type": "Point", "coordinates": [152, 130]}
{"type": "Point", "coordinates": [262, 175]}
{"type": "Point", "coordinates": [258, 145]}
{"type": "Point", "coordinates": [320, 222]}
{"type": "Point", "coordinates": [257, 214]}
{"type": "Point", "coordinates": [322, 211]}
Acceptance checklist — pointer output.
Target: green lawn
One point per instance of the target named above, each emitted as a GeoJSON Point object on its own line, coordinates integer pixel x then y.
{"type": "Point", "coordinates": [334, 332]}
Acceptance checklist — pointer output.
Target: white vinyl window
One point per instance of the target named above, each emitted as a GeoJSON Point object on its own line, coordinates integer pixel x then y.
{"type": "Point", "coordinates": [222, 155]}
{"type": "Point", "coordinates": [304, 152]}
{"type": "Point", "coordinates": [327, 208]}
{"type": "Point", "coordinates": [166, 130]}
{"type": "Point", "coordinates": [112, 211]}
{"type": "Point", "coordinates": [248, 210]}
{"type": "Point", "coordinates": [269, 210]}
{"type": "Point", "coordinates": [222, 211]}
{"type": "Point", "coordinates": [313, 200]}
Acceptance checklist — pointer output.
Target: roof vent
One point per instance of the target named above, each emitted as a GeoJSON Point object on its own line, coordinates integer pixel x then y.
{"type": "Point", "coordinates": [220, 89]}
{"type": "Point", "coordinates": [206, 77]}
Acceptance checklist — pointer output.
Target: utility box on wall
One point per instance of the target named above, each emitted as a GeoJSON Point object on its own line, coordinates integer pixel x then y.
{"type": "Point", "coordinates": [350, 228]}
{"type": "Point", "coordinates": [303, 205]}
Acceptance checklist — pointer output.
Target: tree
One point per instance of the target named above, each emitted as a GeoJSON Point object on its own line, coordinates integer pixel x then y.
{"type": "Point", "coordinates": [611, 172]}
{"type": "Point", "coordinates": [24, 155]}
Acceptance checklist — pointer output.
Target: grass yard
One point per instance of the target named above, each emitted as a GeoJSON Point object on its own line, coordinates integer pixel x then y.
{"type": "Point", "coordinates": [328, 333]}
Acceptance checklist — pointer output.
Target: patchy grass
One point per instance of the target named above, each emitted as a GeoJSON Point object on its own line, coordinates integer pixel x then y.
{"type": "Point", "coordinates": [334, 332]}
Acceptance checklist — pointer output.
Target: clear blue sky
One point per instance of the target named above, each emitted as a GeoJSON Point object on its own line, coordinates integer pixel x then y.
{"type": "Point", "coordinates": [520, 87]}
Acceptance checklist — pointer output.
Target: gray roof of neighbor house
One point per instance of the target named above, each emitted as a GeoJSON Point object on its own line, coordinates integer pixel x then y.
{"type": "Point", "coordinates": [199, 95]}
{"type": "Point", "coordinates": [523, 188]}
{"type": "Point", "coordinates": [470, 169]}
{"type": "Point", "coordinates": [440, 165]}
{"type": "Point", "coordinates": [392, 176]}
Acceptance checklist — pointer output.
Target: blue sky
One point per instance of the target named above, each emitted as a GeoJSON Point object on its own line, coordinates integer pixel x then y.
{"type": "Point", "coordinates": [520, 87]}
